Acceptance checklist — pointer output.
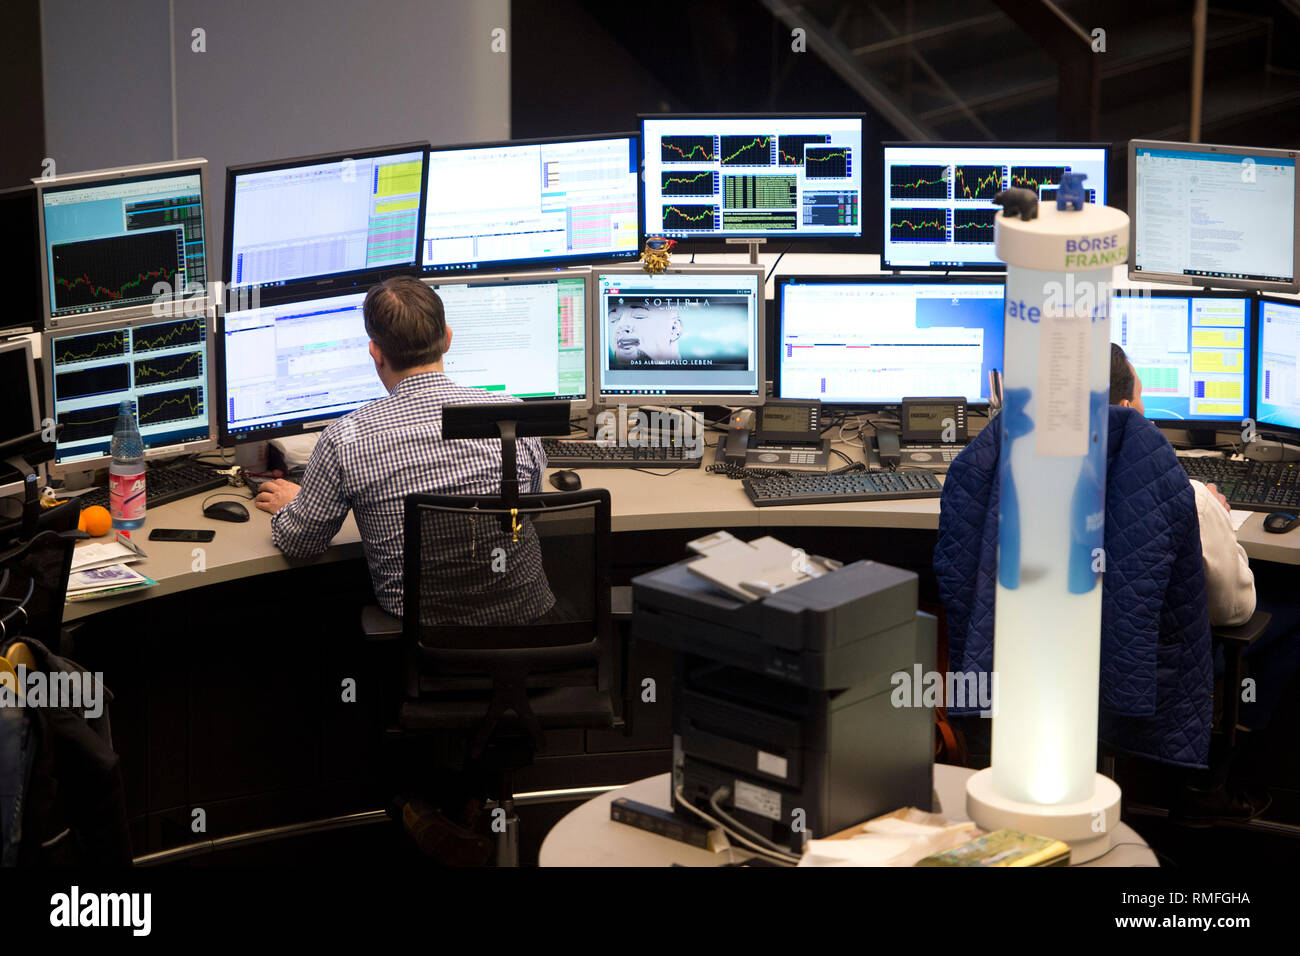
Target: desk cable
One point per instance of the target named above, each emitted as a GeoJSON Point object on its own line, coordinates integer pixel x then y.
{"type": "Point", "coordinates": [768, 277]}
{"type": "Point", "coordinates": [754, 847]}
{"type": "Point", "coordinates": [658, 474]}
{"type": "Point", "coordinates": [744, 471]}
{"type": "Point", "coordinates": [723, 793]}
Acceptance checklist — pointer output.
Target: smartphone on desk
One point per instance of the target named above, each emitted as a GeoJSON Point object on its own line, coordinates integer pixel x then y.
{"type": "Point", "coordinates": [182, 534]}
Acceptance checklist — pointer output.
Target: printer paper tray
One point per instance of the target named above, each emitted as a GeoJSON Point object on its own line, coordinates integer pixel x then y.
{"type": "Point", "coordinates": [743, 756]}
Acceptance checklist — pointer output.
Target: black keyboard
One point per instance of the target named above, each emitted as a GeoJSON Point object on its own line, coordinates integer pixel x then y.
{"type": "Point", "coordinates": [586, 453]}
{"type": "Point", "coordinates": [1249, 485]}
{"type": "Point", "coordinates": [164, 483]}
{"type": "Point", "coordinates": [849, 486]}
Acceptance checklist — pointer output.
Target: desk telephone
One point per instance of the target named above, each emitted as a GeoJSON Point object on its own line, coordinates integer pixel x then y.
{"type": "Point", "coordinates": [932, 433]}
{"type": "Point", "coordinates": [783, 434]}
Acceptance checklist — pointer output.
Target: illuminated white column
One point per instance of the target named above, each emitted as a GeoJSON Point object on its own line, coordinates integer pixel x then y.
{"type": "Point", "coordinates": [1047, 633]}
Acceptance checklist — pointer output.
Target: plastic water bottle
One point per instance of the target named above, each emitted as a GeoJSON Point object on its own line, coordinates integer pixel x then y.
{"type": "Point", "coordinates": [126, 474]}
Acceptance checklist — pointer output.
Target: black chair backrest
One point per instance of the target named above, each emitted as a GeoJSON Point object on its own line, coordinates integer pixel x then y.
{"type": "Point", "coordinates": [62, 517]}
{"type": "Point", "coordinates": [480, 592]}
{"type": "Point", "coordinates": [34, 576]}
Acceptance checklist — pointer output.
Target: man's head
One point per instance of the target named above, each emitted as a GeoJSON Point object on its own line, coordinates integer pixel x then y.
{"type": "Point", "coordinates": [1125, 386]}
{"type": "Point", "coordinates": [642, 332]}
{"type": "Point", "coordinates": [407, 328]}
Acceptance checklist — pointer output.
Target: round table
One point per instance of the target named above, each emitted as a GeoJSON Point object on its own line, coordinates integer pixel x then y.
{"type": "Point", "coordinates": [586, 836]}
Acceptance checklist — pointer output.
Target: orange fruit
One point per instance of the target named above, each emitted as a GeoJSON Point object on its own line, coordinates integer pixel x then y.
{"type": "Point", "coordinates": [95, 521]}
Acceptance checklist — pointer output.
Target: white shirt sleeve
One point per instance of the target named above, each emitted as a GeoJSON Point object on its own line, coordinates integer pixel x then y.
{"type": "Point", "coordinates": [1229, 582]}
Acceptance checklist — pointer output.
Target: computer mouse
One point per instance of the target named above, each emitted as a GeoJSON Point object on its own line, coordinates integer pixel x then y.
{"type": "Point", "coordinates": [566, 481]}
{"type": "Point", "coordinates": [226, 511]}
{"type": "Point", "coordinates": [1280, 522]}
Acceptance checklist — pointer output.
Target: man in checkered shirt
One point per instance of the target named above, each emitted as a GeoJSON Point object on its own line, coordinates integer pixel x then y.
{"type": "Point", "coordinates": [370, 460]}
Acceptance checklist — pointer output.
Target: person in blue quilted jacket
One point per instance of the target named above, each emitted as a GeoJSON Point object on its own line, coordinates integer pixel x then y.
{"type": "Point", "coordinates": [1273, 661]}
{"type": "Point", "coordinates": [1172, 566]}
{"type": "Point", "coordinates": [1229, 582]}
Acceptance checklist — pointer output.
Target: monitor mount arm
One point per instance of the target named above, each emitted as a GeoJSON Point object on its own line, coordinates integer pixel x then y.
{"type": "Point", "coordinates": [31, 500]}
{"type": "Point", "coordinates": [23, 454]}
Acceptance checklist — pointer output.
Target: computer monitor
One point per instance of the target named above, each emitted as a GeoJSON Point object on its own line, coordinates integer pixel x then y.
{"type": "Point", "coordinates": [792, 176]}
{"type": "Point", "coordinates": [871, 341]}
{"type": "Point", "coordinates": [524, 334]}
{"type": "Point", "coordinates": [938, 197]}
{"type": "Point", "coordinates": [20, 259]}
{"type": "Point", "coordinates": [1191, 351]}
{"type": "Point", "coordinates": [691, 335]}
{"type": "Point", "coordinates": [528, 203]}
{"type": "Point", "coordinates": [164, 364]}
{"type": "Point", "coordinates": [1209, 215]}
{"type": "Point", "coordinates": [126, 241]}
{"type": "Point", "coordinates": [338, 221]}
{"type": "Point", "coordinates": [1277, 368]}
{"type": "Point", "coordinates": [293, 367]}
{"type": "Point", "coordinates": [19, 409]}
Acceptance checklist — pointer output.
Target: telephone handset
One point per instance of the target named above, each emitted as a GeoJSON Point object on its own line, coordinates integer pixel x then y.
{"type": "Point", "coordinates": [740, 426]}
{"type": "Point", "coordinates": [783, 434]}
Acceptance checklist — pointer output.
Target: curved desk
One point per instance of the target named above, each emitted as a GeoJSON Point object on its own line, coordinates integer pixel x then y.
{"type": "Point", "coordinates": [686, 499]}
{"type": "Point", "coordinates": [586, 836]}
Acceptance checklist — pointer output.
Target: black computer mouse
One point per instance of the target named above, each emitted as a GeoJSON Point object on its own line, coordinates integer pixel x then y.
{"type": "Point", "coordinates": [226, 511]}
{"type": "Point", "coordinates": [1280, 522]}
{"type": "Point", "coordinates": [566, 481]}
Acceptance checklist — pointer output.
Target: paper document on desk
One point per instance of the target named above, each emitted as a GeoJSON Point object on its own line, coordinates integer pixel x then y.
{"type": "Point", "coordinates": [101, 582]}
{"type": "Point", "coordinates": [898, 839]}
{"type": "Point", "coordinates": [1238, 518]}
{"type": "Point", "coordinates": [103, 553]}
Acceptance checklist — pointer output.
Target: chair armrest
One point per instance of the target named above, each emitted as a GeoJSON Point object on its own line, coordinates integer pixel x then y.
{"type": "Point", "coordinates": [620, 603]}
{"type": "Point", "coordinates": [377, 625]}
{"type": "Point", "coordinates": [1243, 635]}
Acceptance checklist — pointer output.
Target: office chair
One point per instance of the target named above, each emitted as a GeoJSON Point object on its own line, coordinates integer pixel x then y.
{"type": "Point", "coordinates": [1234, 640]}
{"type": "Point", "coordinates": [45, 560]}
{"type": "Point", "coordinates": [43, 820]}
{"type": "Point", "coordinates": [506, 620]}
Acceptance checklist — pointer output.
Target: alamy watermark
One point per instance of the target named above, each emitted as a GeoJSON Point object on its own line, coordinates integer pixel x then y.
{"type": "Point", "coordinates": [66, 690]}
{"type": "Point", "coordinates": [75, 908]}
{"type": "Point", "coordinates": [954, 689]}
{"type": "Point", "coordinates": [191, 299]}
{"type": "Point", "coordinates": [656, 428]}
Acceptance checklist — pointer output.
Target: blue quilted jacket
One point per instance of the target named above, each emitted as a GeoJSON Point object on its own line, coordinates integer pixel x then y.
{"type": "Point", "coordinates": [1157, 670]}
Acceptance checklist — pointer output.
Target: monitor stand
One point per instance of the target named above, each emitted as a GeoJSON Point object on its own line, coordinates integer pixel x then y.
{"type": "Point", "coordinates": [1272, 449]}
{"type": "Point", "coordinates": [77, 480]}
{"type": "Point", "coordinates": [645, 426]}
{"type": "Point", "coordinates": [1202, 437]}
{"type": "Point", "coordinates": [753, 247]}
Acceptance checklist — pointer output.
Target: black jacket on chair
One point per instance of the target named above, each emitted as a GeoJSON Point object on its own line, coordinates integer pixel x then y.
{"type": "Point", "coordinates": [61, 795]}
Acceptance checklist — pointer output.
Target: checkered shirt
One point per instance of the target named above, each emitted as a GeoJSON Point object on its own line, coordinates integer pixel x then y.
{"type": "Point", "coordinates": [368, 462]}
